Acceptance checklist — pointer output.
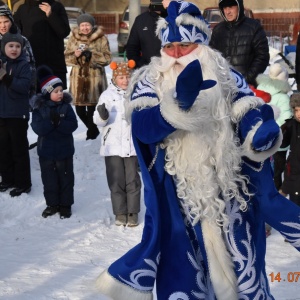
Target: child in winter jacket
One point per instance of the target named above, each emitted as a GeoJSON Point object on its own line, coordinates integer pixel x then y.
{"type": "Point", "coordinates": [291, 137]}
{"type": "Point", "coordinates": [15, 80]}
{"type": "Point", "coordinates": [54, 121]}
{"type": "Point", "coordinates": [117, 147]}
{"type": "Point", "coordinates": [277, 85]}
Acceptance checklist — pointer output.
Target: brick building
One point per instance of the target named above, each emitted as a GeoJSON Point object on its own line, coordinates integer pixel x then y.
{"type": "Point", "coordinates": [277, 17]}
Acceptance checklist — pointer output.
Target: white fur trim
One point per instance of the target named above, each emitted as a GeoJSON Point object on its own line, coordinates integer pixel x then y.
{"type": "Point", "coordinates": [160, 24]}
{"type": "Point", "coordinates": [220, 262]}
{"type": "Point", "coordinates": [113, 288]}
{"type": "Point", "coordinates": [138, 104]}
{"type": "Point", "coordinates": [243, 105]}
{"type": "Point", "coordinates": [254, 155]}
{"type": "Point", "coordinates": [187, 19]}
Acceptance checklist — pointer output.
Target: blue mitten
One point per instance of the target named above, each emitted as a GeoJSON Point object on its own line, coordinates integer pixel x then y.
{"type": "Point", "coordinates": [266, 135]}
{"type": "Point", "coordinates": [268, 132]}
{"type": "Point", "coordinates": [189, 83]}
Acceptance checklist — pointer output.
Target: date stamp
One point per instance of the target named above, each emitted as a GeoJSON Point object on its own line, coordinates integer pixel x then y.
{"type": "Point", "coordinates": [291, 277]}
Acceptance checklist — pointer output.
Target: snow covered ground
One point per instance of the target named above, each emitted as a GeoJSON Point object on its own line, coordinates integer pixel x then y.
{"type": "Point", "coordinates": [54, 259]}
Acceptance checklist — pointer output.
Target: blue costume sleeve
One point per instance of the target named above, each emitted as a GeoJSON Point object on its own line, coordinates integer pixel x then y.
{"type": "Point", "coordinates": [149, 126]}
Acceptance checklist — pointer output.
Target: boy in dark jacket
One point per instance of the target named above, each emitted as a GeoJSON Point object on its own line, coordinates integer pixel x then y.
{"type": "Point", "coordinates": [54, 121]}
{"type": "Point", "coordinates": [291, 137]}
{"type": "Point", "coordinates": [15, 79]}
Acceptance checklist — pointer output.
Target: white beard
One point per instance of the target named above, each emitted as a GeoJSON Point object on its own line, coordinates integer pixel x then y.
{"type": "Point", "coordinates": [206, 163]}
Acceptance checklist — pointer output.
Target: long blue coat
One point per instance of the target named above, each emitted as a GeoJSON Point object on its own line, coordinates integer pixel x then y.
{"type": "Point", "coordinates": [172, 253]}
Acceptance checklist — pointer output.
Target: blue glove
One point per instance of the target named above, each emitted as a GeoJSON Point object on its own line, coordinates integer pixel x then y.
{"type": "Point", "coordinates": [189, 83]}
{"type": "Point", "coordinates": [266, 135]}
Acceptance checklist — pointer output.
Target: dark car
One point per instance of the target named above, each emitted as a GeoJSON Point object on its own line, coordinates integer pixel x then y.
{"type": "Point", "coordinates": [73, 13]}
{"type": "Point", "coordinates": [124, 28]}
{"type": "Point", "coordinates": [213, 15]}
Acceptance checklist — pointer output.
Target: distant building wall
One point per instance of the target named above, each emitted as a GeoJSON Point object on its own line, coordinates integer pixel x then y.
{"type": "Point", "coordinates": [277, 17]}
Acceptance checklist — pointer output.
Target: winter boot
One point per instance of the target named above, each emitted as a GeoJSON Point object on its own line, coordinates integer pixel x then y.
{"type": "Point", "coordinates": [121, 220]}
{"type": "Point", "coordinates": [65, 212]}
{"type": "Point", "coordinates": [132, 220]}
{"type": "Point", "coordinates": [18, 191]}
{"type": "Point", "coordinates": [50, 211]}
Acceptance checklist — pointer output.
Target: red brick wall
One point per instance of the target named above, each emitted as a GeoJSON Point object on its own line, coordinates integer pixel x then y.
{"type": "Point", "coordinates": [274, 23]}
{"type": "Point", "coordinates": [277, 23]}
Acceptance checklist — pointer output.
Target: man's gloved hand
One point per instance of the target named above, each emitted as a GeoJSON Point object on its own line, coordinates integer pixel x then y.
{"type": "Point", "coordinates": [54, 117]}
{"type": "Point", "coordinates": [2, 69]}
{"type": "Point", "coordinates": [189, 83]}
{"type": "Point", "coordinates": [103, 112]}
{"type": "Point", "coordinates": [87, 54]}
{"type": "Point", "coordinates": [267, 133]}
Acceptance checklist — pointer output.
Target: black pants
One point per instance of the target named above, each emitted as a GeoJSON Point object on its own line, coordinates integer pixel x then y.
{"type": "Point", "coordinates": [295, 198]}
{"type": "Point", "coordinates": [58, 181]}
{"type": "Point", "coordinates": [279, 166]}
{"type": "Point", "coordinates": [14, 153]}
{"type": "Point", "coordinates": [85, 113]}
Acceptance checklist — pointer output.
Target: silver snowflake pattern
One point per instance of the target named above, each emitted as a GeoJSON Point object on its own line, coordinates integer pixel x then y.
{"type": "Point", "coordinates": [293, 238]}
{"type": "Point", "coordinates": [137, 274]}
{"type": "Point", "coordinates": [144, 88]}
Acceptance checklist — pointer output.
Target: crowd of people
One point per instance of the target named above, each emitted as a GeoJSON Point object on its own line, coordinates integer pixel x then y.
{"type": "Point", "coordinates": [185, 111]}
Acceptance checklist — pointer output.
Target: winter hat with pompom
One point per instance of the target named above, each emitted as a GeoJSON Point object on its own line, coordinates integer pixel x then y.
{"type": "Point", "coordinates": [279, 72]}
{"type": "Point", "coordinates": [47, 80]}
{"type": "Point", "coordinates": [11, 36]}
{"type": "Point", "coordinates": [122, 68]}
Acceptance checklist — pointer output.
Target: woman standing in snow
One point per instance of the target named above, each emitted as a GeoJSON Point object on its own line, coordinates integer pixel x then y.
{"type": "Point", "coordinates": [88, 53]}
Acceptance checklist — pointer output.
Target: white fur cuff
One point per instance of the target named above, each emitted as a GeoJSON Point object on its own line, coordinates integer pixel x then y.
{"type": "Point", "coordinates": [113, 288]}
{"type": "Point", "coordinates": [256, 156]}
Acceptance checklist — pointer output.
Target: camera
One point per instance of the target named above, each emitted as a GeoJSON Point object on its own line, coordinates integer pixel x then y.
{"type": "Point", "coordinates": [81, 47]}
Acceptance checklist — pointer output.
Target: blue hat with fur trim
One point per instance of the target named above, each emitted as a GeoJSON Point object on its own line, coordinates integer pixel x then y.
{"type": "Point", "coordinates": [184, 23]}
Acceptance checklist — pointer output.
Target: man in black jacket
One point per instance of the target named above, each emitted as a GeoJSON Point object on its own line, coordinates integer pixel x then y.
{"type": "Point", "coordinates": [143, 43]}
{"type": "Point", "coordinates": [45, 24]}
{"type": "Point", "coordinates": [241, 40]}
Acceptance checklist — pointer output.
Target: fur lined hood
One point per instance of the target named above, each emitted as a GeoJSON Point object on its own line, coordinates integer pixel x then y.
{"type": "Point", "coordinates": [96, 33]}
{"type": "Point", "coordinates": [39, 100]}
{"type": "Point", "coordinates": [272, 86]}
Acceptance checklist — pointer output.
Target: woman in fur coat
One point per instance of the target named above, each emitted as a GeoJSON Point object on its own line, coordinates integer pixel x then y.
{"type": "Point", "coordinates": [88, 53]}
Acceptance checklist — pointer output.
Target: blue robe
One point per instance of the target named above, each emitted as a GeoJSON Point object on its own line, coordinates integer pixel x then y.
{"type": "Point", "coordinates": [172, 253]}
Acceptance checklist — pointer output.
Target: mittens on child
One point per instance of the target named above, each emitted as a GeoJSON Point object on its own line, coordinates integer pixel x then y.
{"type": "Point", "coordinates": [189, 83]}
{"type": "Point", "coordinates": [103, 113]}
{"type": "Point", "coordinates": [54, 117]}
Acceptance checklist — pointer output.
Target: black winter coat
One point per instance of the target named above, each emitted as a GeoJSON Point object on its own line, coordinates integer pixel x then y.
{"type": "Point", "coordinates": [54, 142]}
{"type": "Point", "coordinates": [291, 137]}
{"type": "Point", "coordinates": [14, 93]}
{"type": "Point", "coordinates": [244, 44]}
{"type": "Point", "coordinates": [143, 43]}
{"type": "Point", "coordinates": [45, 34]}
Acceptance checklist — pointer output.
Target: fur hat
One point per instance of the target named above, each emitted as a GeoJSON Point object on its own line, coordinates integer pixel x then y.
{"type": "Point", "coordinates": [227, 3]}
{"type": "Point", "coordinates": [279, 72]}
{"type": "Point", "coordinates": [86, 18]}
{"type": "Point", "coordinates": [122, 68]}
{"type": "Point", "coordinates": [5, 11]}
{"type": "Point", "coordinates": [48, 82]}
{"type": "Point", "coordinates": [184, 23]}
{"type": "Point", "coordinates": [11, 36]}
{"type": "Point", "coordinates": [295, 100]}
